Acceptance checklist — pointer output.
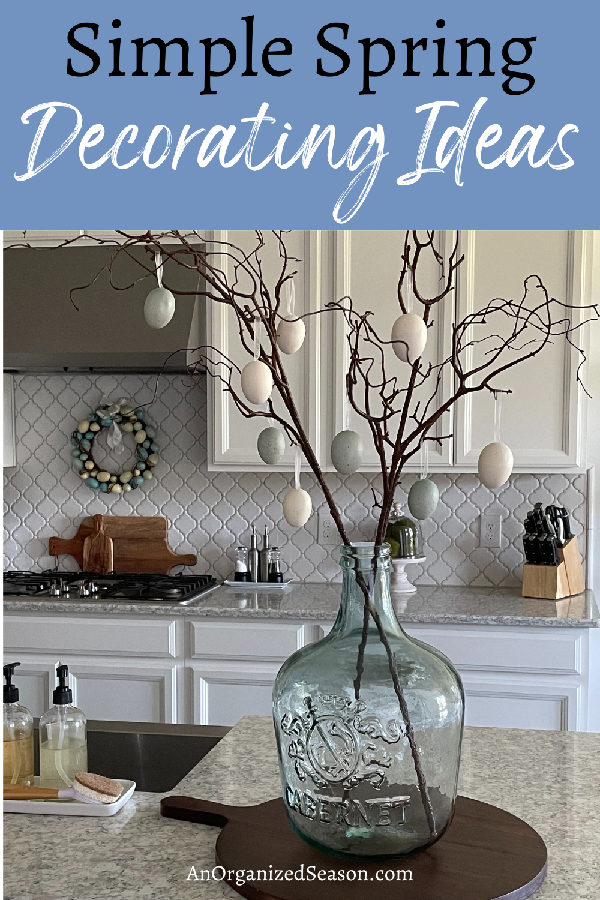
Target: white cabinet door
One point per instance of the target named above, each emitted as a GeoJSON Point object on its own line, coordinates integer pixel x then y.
{"type": "Point", "coordinates": [543, 417]}
{"type": "Point", "coordinates": [366, 268]}
{"type": "Point", "coordinates": [223, 691]}
{"type": "Point", "coordinates": [231, 436]}
{"type": "Point", "coordinates": [9, 446]}
{"type": "Point", "coordinates": [123, 691]}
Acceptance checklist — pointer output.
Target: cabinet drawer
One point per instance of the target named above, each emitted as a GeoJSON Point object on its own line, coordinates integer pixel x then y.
{"type": "Point", "coordinates": [242, 639]}
{"type": "Point", "coordinates": [554, 651]}
{"type": "Point", "coordinates": [83, 636]}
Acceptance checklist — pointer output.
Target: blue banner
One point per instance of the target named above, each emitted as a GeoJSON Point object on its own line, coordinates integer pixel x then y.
{"type": "Point", "coordinates": [315, 115]}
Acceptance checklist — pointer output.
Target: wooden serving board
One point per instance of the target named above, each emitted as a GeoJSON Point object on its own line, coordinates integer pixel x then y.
{"type": "Point", "coordinates": [486, 854]}
{"type": "Point", "coordinates": [139, 545]}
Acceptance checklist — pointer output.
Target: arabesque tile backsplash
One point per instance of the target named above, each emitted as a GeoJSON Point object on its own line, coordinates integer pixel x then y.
{"type": "Point", "coordinates": [210, 513]}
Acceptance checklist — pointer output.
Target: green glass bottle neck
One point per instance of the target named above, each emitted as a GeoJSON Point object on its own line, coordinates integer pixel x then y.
{"type": "Point", "coordinates": [377, 584]}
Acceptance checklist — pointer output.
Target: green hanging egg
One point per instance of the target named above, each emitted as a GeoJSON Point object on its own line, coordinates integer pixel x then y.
{"type": "Point", "coordinates": [347, 452]}
{"type": "Point", "coordinates": [271, 445]}
{"type": "Point", "coordinates": [423, 498]}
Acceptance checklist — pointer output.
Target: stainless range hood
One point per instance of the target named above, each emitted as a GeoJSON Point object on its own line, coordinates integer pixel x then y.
{"type": "Point", "coordinates": [44, 332]}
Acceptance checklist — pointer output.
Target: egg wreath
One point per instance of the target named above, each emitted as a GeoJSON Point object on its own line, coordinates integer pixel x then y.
{"type": "Point", "coordinates": [130, 421]}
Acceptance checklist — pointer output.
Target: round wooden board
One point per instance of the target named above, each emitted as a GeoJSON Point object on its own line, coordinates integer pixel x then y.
{"type": "Point", "coordinates": [486, 854]}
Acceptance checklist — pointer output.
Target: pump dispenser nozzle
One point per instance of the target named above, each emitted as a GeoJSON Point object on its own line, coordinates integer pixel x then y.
{"type": "Point", "coordinates": [11, 692]}
{"type": "Point", "coordinates": [62, 693]}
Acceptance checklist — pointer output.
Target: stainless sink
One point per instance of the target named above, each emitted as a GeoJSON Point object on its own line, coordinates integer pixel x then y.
{"type": "Point", "coordinates": [155, 756]}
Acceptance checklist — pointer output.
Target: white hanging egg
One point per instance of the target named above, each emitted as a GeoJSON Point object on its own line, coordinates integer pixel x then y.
{"type": "Point", "coordinates": [159, 307]}
{"type": "Point", "coordinates": [290, 334]}
{"type": "Point", "coordinates": [297, 507]}
{"type": "Point", "coordinates": [409, 331]}
{"type": "Point", "coordinates": [347, 452]}
{"type": "Point", "coordinates": [423, 498]}
{"type": "Point", "coordinates": [271, 445]}
{"type": "Point", "coordinates": [257, 381]}
{"type": "Point", "coordinates": [495, 464]}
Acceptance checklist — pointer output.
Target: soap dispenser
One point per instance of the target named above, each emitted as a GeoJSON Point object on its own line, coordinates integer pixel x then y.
{"type": "Point", "coordinates": [18, 734]}
{"type": "Point", "coordinates": [63, 740]}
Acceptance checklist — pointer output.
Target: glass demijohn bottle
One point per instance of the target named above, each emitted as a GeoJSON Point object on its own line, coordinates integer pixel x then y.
{"type": "Point", "coordinates": [373, 774]}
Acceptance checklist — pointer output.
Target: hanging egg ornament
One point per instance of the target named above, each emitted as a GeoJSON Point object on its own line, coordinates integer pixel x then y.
{"type": "Point", "coordinates": [257, 381]}
{"type": "Point", "coordinates": [347, 452]}
{"type": "Point", "coordinates": [409, 334]}
{"type": "Point", "coordinates": [423, 498]}
{"type": "Point", "coordinates": [271, 445]}
{"type": "Point", "coordinates": [495, 464]}
{"type": "Point", "coordinates": [297, 507]}
{"type": "Point", "coordinates": [290, 334]}
{"type": "Point", "coordinates": [159, 307]}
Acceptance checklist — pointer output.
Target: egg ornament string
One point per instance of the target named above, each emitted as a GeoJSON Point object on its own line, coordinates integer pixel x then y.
{"type": "Point", "coordinates": [290, 329]}
{"type": "Point", "coordinates": [159, 307]}
{"type": "Point", "coordinates": [257, 380]}
{"type": "Point", "coordinates": [496, 460]}
{"type": "Point", "coordinates": [424, 494]}
{"type": "Point", "coordinates": [297, 505]}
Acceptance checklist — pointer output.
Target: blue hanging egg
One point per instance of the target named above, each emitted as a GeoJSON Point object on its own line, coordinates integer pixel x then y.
{"type": "Point", "coordinates": [141, 466]}
{"type": "Point", "coordinates": [140, 413]}
{"type": "Point", "coordinates": [106, 422]}
{"type": "Point", "coordinates": [423, 498]}
{"type": "Point", "coordinates": [91, 482]}
{"type": "Point", "coordinates": [138, 479]}
{"type": "Point", "coordinates": [89, 435]}
{"type": "Point", "coordinates": [75, 454]}
{"type": "Point", "coordinates": [154, 448]}
{"type": "Point", "coordinates": [347, 452]}
{"type": "Point", "coordinates": [83, 456]}
{"type": "Point", "coordinates": [271, 445]}
{"type": "Point", "coordinates": [146, 445]}
{"type": "Point", "coordinates": [103, 487]}
{"type": "Point", "coordinates": [142, 453]}
{"type": "Point", "coordinates": [150, 431]}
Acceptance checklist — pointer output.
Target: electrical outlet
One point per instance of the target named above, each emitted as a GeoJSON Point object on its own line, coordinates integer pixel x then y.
{"type": "Point", "coordinates": [328, 533]}
{"type": "Point", "coordinates": [491, 531]}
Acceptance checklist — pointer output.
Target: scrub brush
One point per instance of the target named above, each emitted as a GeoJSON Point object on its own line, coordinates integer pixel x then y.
{"type": "Point", "coordinates": [87, 788]}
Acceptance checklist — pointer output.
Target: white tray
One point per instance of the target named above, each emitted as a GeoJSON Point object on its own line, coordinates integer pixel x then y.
{"type": "Point", "coordinates": [258, 585]}
{"type": "Point", "coordinates": [70, 807]}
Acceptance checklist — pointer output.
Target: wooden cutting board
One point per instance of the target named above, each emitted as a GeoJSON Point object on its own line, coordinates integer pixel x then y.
{"type": "Point", "coordinates": [98, 555]}
{"type": "Point", "coordinates": [486, 854]}
{"type": "Point", "coordinates": [139, 545]}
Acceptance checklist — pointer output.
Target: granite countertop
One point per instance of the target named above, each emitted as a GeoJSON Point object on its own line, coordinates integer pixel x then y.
{"type": "Point", "coordinates": [430, 604]}
{"type": "Point", "coordinates": [549, 779]}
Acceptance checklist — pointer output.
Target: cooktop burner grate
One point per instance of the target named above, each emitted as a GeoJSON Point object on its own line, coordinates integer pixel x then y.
{"type": "Point", "coordinates": [114, 586]}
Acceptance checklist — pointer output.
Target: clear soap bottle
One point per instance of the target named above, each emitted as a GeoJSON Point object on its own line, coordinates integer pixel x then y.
{"type": "Point", "coordinates": [63, 738]}
{"type": "Point", "coordinates": [18, 734]}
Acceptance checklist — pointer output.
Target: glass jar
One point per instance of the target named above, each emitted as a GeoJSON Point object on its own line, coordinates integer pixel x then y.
{"type": "Point", "coordinates": [403, 535]}
{"type": "Point", "coordinates": [241, 564]}
{"type": "Point", "coordinates": [368, 773]}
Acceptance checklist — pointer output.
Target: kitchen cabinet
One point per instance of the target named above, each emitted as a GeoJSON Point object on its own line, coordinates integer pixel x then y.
{"type": "Point", "coordinates": [213, 671]}
{"type": "Point", "coordinates": [231, 436]}
{"type": "Point", "coordinates": [543, 418]}
{"type": "Point", "coordinates": [119, 668]}
{"type": "Point", "coordinates": [9, 443]}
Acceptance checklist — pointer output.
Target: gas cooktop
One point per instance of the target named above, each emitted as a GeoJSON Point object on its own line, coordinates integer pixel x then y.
{"type": "Point", "coordinates": [52, 585]}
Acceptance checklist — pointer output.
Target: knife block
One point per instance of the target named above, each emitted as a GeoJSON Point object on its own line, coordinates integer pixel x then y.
{"type": "Point", "coordinates": [556, 582]}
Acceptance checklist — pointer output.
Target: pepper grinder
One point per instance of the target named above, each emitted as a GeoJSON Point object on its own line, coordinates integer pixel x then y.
{"type": "Point", "coordinates": [264, 559]}
{"type": "Point", "coordinates": [253, 556]}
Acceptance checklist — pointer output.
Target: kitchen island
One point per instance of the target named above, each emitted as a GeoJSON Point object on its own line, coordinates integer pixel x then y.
{"type": "Point", "coordinates": [524, 663]}
{"type": "Point", "coordinates": [549, 779]}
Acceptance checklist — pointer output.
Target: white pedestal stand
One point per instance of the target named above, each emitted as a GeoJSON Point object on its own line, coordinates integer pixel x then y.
{"type": "Point", "coordinates": [399, 583]}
